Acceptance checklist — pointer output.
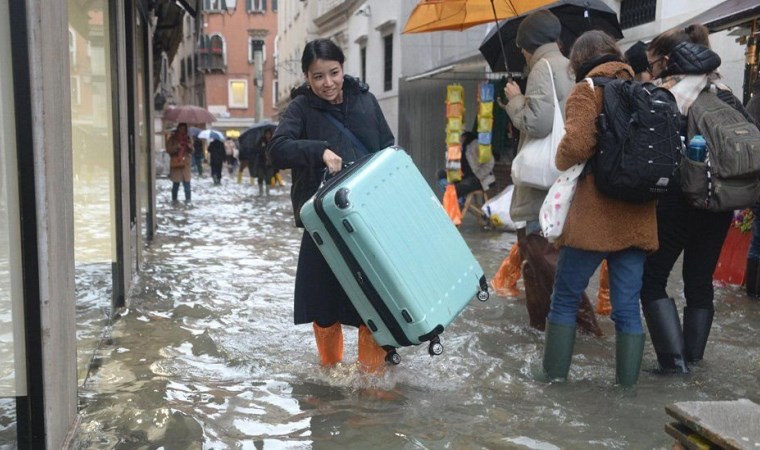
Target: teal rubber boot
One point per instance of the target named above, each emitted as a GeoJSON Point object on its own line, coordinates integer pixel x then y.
{"type": "Point", "coordinates": [629, 348]}
{"type": "Point", "coordinates": [558, 350]}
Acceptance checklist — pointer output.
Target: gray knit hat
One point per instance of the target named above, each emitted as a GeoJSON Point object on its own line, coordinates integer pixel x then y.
{"type": "Point", "coordinates": [537, 29]}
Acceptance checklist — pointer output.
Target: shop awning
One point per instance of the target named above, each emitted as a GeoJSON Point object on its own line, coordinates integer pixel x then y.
{"type": "Point", "coordinates": [727, 14]}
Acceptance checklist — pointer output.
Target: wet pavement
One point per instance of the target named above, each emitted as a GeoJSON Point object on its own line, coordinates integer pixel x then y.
{"type": "Point", "coordinates": [206, 356]}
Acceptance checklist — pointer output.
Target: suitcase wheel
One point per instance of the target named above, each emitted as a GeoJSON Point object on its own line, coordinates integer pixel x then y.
{"type": "Point", "coordinates": [483, 295]}
{"type": "Point", "coordinates": [393, 358]}
{"type": "Point", "coordinates": [435, 348]}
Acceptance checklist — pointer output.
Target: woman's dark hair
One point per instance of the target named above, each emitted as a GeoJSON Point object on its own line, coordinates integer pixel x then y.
{"type": "Point", "coordinates": [666, 41]}
{"type": "Point", "coordinates": [590, 45]}
{"type": "Point", "coordinates": [320, 49]}
{"type": "Point", "coordinates": [467, 137]}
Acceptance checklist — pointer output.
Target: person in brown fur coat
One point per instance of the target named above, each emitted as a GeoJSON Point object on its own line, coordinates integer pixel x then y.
{"type": "Point", "coordinates": [597, 227]}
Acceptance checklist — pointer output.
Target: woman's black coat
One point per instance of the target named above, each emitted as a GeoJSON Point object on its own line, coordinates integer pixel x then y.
{"type": "Point", "coordinates": [304, 133]}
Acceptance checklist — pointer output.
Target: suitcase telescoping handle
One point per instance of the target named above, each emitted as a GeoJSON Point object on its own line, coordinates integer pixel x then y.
{"type": "Point", "coordinates": [326, 175]}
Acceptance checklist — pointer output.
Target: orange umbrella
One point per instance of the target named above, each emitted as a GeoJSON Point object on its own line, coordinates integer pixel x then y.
{"type": "Point", "coordinates": [440, 15]}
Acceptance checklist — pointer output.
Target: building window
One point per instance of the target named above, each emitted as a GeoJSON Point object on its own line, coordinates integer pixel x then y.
{"type": "Point", "coordinates": [363, 62]}
{"type": "Point", "coordinates": [212, 5]}
{"type": "Point", "coordinates": [12, 346]}
{"type": "Point", "coordinates": [255, 44]}
{"type": "Point", "coordinates": [274, 6]}
{"type": "Point", "coordinates": [388, 69]}
{"type": "Point", "coordinates": [76, 96]}
{"type": "Point", "coordinates": [237, 94]}
{"type": "Point", "coordinates": [72, 48]}
{"type": "Point", "coordinates": [217, 57]}
{"type": "Point", "coordinates": [256, 6]}
{"type": "Point", "coordinates": [637, 12]}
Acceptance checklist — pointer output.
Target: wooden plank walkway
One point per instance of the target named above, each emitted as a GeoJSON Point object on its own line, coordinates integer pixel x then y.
{"type": "Point", "coordinates": [731, 425]}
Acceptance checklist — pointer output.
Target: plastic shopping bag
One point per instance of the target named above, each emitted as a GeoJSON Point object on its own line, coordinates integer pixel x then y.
{"type": "Point", "coordinates": [496, 210]}
{"type": "Point", "coordinates": [451, 204]}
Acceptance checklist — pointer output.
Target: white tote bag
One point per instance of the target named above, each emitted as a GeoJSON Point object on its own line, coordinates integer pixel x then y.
{"type": "Point", "coordinates": [534, 165]}
{"type": "Point", "coordinates": [556, 205]}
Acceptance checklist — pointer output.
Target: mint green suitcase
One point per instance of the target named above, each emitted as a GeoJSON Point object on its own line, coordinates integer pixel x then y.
{"type": "Point", "coordinates": [393, 248]}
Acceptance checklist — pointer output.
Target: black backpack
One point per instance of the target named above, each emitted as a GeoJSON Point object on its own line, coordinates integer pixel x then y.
{"type": "Point", "coordinates": [639, 146]}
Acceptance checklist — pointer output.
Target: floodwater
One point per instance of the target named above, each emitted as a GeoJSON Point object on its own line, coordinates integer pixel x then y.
{"type": "Point", "coordinates": [206, 356]}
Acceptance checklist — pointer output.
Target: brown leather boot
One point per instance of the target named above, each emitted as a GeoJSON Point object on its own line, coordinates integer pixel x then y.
{"type": "Point", "coordinates": [329, 343]}
{"type": "Point", "coordinates": [371, 355]}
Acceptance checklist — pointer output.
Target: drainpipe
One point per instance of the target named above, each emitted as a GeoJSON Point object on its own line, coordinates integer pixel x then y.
{"type": "Point", "coordinates": [258, 81]}
{"type": "Point", "coordinates": [750, 66]}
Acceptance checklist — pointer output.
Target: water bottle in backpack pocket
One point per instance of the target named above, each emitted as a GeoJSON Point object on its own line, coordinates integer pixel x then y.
{"type": "Point", "coordinates": [728, 178]}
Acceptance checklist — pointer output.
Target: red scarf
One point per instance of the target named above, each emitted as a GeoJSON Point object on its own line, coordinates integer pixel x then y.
{"type": "Point", "coordinates": [183, 144]}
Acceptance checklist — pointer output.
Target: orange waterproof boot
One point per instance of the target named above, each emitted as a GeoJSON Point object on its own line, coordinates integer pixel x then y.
{"type": "Point", "coordinates": [371, 355]}
{"type": "Point", "coordinates": [603, 306]}
{"type": "Point", "coordinates": [329, 343]}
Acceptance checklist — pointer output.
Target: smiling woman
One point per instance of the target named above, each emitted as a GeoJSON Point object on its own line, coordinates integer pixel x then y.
{"type": "Point", "coordinates": [333, 119]}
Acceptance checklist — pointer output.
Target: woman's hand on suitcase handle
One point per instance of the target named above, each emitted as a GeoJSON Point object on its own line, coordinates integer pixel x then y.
{"type": "Point", "coordinates": [333, 162]}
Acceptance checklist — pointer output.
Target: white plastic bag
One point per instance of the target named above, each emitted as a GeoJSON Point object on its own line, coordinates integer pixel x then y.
{"type": "Point", "coordinates": [496, 210]}
{"type": "Point", "coordinates": [534, 165]}
{"type": "Point", "coordinates": [557, 202]}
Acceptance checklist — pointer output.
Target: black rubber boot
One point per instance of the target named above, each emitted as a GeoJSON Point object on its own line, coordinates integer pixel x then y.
{"type": "Point", "coordinates": [628, 351]}
{"type": "Point", "coordinates": [664, 328]}
{"type": "Point", "coordinates": [696, 330]}
{"type": "Point", "coordinates": [558, 350]}
{"type": "Point", "coordinates": [752, 275]}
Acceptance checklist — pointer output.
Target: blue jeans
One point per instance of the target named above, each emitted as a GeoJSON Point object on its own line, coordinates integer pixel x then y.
{"type": "Point", "coordinates": [574, 269]}
{"type": "Point", "coordinates": [175, 190]}
{"type": "Point", "coordinates": [198, 164]}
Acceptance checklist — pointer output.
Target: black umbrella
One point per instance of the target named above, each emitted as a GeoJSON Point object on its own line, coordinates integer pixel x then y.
{"type": "Point", "coordinates": [576, 17]}
{"type": "Point", "coordinates": [251, 136]}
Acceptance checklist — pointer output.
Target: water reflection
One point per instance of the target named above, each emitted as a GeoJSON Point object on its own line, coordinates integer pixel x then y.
{"type": "Point", "coordinates": [207, 357]}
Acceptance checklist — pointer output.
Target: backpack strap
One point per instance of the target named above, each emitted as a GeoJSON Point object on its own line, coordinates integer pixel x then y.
{"type": "Point", "coordinates": [602, 81]}
{"type": "Point", "coordinates": [346, 132]}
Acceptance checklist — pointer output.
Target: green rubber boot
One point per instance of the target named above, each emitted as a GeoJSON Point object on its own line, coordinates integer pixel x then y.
{"type": "Point", "coordinates": [558, 350]}
{"type": "Point", "coordinates": [629, 349]}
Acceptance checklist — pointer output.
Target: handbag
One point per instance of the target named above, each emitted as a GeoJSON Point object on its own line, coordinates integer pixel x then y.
{"type": "Point", "coordinates": [556, 205]}
{"type": "Point", "coordinates": [177, 162]}
{"type": "Point", "coordinates": [534, 164]}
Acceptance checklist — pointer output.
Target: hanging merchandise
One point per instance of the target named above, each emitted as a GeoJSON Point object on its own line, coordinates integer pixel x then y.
{"type": "Point", "coordinates": [485, 121]}
{"type": "Point", "coordinates": [454, 152]}
{"type": "Point", "coordinates": [454, 128]}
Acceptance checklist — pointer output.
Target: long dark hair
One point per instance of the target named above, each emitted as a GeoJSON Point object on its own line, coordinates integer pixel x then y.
{"type": "Point", "coordinates": [320, 49]}
{"type": "Point", "coordinates": [666, 41]}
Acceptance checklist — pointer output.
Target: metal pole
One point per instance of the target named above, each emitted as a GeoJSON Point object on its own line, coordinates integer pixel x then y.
{"type": "Point", "coordinates": [750, 67]}
{"type": "Point", "coordinates": [498, 33]}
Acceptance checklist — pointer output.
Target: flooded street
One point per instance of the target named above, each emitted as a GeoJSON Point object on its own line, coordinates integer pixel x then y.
{"type": "Point", "coordinates": [206, 356]}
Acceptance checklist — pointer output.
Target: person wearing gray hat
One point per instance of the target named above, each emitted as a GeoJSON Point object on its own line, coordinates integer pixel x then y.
{"type": "Point", "coordinates": [532, 114]}
{"type": "Point", "coordinates": [541, 27]}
